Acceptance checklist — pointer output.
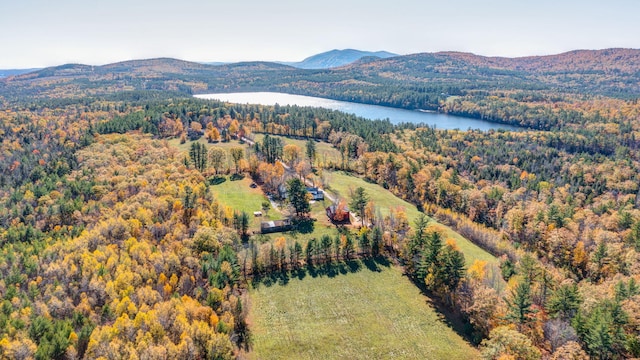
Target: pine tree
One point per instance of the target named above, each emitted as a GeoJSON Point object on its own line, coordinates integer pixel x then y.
{"type": "Point", "coordinates": [349, 248]}
{"type": "Point", "coordinates": [564, 302]}
{"type": "Point", "coordinates": [599, 339]}
{"type": "Point", "coordinates": [311, 150]}
{"type": "Point", "coordinates": [325, 245]}
{"type": "Point", "coordinates": [310, 251]}
{"type": "Point", "coordinates": [519, 305]}
{"type": "Point", "coordinates": [453, 268]}
{"type": "Point", "coordinates": [376, 241]}
{"type": "Point", "coordinates": [359, 202]}
{"type": "Point", "coordinates": [298, 196]}
{"type": "Point", "coordinates": [364, 243]}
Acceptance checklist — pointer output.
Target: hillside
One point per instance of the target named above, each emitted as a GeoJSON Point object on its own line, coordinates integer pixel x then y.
{"type": "Point", "coordinates": [606, 60]}
{"type": "Point", "coordinates": [115, 221]}
{"type": "Point", "coordinates": [13, 72]}
{"type": "Point", "coordinates": [165, 74]}
{"type": "Point", "coordinates": [524, 91]}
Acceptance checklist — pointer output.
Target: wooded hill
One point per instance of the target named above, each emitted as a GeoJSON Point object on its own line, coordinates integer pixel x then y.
{"type": "Point", "coordinates": [542, 92]}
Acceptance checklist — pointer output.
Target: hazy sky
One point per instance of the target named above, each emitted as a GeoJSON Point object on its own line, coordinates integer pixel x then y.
{"type": "Point", "coordinates": [36, 33]}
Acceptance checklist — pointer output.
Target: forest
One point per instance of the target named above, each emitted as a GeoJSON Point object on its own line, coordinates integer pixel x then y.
{"type": "Point", "coordinates": [114, 242]}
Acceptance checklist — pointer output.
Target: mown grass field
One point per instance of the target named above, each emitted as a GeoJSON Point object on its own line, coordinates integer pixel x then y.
{"type": "Point", "coordinates": [357, 315]}
{"type": "Point", "coordinates": [341, 183]}
{"type": "Point", "coordinates": [238, 195]}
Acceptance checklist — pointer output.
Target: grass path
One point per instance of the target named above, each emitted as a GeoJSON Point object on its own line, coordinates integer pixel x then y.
{"type": "Point", "coordinates": [341, 183]}
{"type": "Point", "coordinates": [358, 315]}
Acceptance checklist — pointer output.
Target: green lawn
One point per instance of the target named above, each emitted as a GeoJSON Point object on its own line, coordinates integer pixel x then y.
{"type": "Point", "coordinates": [321, 226]}
{"type": "Point", "coordinates": [340, 183]}
{"type": "Point", "coordinates": [358, 315]}
{"type": "Point", "coordinates": [240, 196]}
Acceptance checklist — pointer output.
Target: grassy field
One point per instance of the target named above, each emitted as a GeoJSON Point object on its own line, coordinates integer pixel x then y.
{"type": "Point", "coordinates": [340, 183]}
{"type": "Point", "coordinates": [366, 314]}
{"type": "Point", "coordinates": [240, 196]}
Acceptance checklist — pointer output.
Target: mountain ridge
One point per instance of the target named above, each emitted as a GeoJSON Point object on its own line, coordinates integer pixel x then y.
{"type": "Point", "coordinates": [337, 58]}
{"type": "Point", "coordinates": [428, 77]}
{"type": "Point", "coordinates": [613, 58]}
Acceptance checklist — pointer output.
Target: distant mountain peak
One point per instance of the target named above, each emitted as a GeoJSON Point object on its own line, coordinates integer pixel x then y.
{"type": "Point", "coordinates": [336, 58]}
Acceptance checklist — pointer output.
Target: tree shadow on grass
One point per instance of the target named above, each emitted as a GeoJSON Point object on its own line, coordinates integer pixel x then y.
{"type": "Point", "coordinates": [451, 318]}
{"type": "Point", "coordinates": [329, 269]}
{"type": "Point", "coordinates": [236, 177]}
{"type": "Point", "coordinates": [303, 226]}
{"type": "Point", "coordinates": [274, 278]}
{"type": "Point", "coordinates": [217, 180]}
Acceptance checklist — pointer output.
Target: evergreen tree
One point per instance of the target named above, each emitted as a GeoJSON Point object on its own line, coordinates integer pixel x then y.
{"type": "Point", "coordinates": [429, 263]}
{"type": "Point", "coordinates": [189, 205]}
{"type": "Point", "coordinates": [309, 251]}
{"type": "Point", "coordinates": [297, 251]}
{"type": "Point", "coordinates": [298, 196]}
{"type": "Point", "coordinates": [634, 236]}
{"type": "Point", "coordinates": [325, 245]}
{"type": "Point", "coordinates": [271, 148]}
{"type": "Point", "coordinates": [198, 155]}
{"type": "Point", "coordinates": [599, 340]}
{"type": "Point", "coordinates": [336, 247]}
{"type": "Point", "coordinates": [376, 241]}
{"type": "Point", "coordinates": [564, 302]}
{"type": "Point", "coordinates": [453, 268]}
{"type": "Point", "coordinates": [359, 202]}
{"type": "Point", "coordinates": [349, 248]}
{"type": "Point", "coordinates": [519, 305]}
{"type": "Point", "coordinates": [310, 150]}
{"type": "Point", "coordinates": [364, 243]}
{"type": "Point", "coordinates": [243, 225]}
{"type": "Point", "coordinates": [529, 268]}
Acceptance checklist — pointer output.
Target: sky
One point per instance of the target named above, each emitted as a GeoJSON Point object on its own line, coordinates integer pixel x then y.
{"type": "Point", "coordinates": [39, 33]}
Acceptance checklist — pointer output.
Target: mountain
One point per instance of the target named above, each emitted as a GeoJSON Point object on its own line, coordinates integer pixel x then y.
{"type": "Point", "coordinates": [13, 72]}
{"type": "Point", "coordinates": [337, 58]}
{"type": "Point", "coordinates": [162, 74]}
{"type": "Point", "coordinates": [606, 60]}
{"type": "Point", "coordinates": [444, 81]}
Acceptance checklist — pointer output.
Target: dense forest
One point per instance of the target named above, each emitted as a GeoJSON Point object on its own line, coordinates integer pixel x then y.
{"type": "Point", "coordinates": [112, 244]}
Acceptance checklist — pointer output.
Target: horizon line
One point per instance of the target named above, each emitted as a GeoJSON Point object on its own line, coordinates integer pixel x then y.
{"type": "Point", "coordinates": [284, 62]}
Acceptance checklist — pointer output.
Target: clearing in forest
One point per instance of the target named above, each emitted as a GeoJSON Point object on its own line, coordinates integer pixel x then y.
{"type": "Point", "coordinates": [357, 311]}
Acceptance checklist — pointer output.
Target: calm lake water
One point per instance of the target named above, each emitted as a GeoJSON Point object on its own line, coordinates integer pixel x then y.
{"type": "Point", "coordinates": [373, 112]}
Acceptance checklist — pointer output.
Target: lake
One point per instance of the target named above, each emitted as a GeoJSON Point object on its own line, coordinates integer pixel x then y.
{"type": "Point", "coordinates": [373, 112]}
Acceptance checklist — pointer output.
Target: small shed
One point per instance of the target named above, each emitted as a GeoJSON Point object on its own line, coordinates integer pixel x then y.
{"type": "Point", "coordinates": [257, 213]}
{"type": "Point", "coordinates": [267, 227]}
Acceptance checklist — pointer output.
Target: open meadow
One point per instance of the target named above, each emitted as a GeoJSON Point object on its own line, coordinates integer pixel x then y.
{"type": "Point", "coordinates": [359, 312]}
